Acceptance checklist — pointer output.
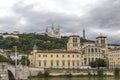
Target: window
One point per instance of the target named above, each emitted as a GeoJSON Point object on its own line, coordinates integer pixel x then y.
{"type": "Point", "coordinates": [51, 62]}
{"type": "Point", "coordinates": [77, 63]}
{"type": "Point", "coordinates": [51, 55]}
{"type": "Point", "coordinates": [73, 56]}
{"type": "Point", "coordinates": [68, 63]}
{"type": "Point", "coordinates": [63, 63]}
{"type": "Point", "coordinates": [57, 56]}
{"type": "Point", "coordinates": [102, 43]}
{"type": "Point", "coordinates": [45, 62]}
{"type": "Point", "coordinates": [92, 50]}
{"type": "Point", "coordinates": [75, 44]}
{"type": "Point", "coordinates": [85, 59]}
{"type": "Point", "coordinates": [57, 63]}
{"type": "Point", "coordinates": [74, 39]}
{"type": "Point", "coordinates": [63, 56]}
{"type": "Point", "coordinates": [77, 56]}
{"type": "Point", "coordinates": [95, 49]}
{"type": "Point", "coordinates": [68, 56]}
{"type": "Point", "coordinates": [39, 63]}
{"type": "Point", "coordinates": [44, 55]}
{"type": "Point", "coordinates": [89, 60]}
{"type": "Point", "coordinates": [88, 50]}
{"type": "Point", "coordinates": [92, 59]}
{"type": "Point", "coordinates": [39, 55]}
{"type": "Point", "coordinates": [73, 63]}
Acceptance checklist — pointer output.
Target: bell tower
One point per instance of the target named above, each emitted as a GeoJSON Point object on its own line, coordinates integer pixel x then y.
{"type": "Point", "coordinates": [73, 43]}
{"type": "Point", "coordinates": [101, 41]}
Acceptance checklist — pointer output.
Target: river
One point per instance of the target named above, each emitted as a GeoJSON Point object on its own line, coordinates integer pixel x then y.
{"type": "Point", "coordinates": [77, 78]}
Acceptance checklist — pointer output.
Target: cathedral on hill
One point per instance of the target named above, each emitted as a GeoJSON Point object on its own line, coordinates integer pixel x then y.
{"type": "Point", "coordinates": [53, 32]}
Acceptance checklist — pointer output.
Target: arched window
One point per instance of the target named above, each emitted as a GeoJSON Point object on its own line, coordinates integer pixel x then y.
{"type": "Point", "coordinates": [88, 50]}
{"type": "Point", "coordinates": [95, 49]}
{"type": "Point", "coordinates": [74, 39]}
{"type": "Point", "coordinates": [92, 49]}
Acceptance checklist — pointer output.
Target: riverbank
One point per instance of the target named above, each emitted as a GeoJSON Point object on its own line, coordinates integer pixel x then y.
{"type": "Point", "coordinates": [77, 78]}
{"type": "Point", "coordinates": [70, 75]}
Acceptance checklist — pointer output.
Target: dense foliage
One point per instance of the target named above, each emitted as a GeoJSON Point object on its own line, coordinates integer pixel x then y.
{"type": "Point", "coordinates": [26, 42]}
{"type": "Point", "coordinates": [45, 74]}
{"type": "Point", "coordinates": [98, 63]}
{"type": "Point", "coordinates": [100, 72]}
{"type": "Point", "coordinates": [4, 59]}
{"type": "Point", "coordinates": [117, 71]}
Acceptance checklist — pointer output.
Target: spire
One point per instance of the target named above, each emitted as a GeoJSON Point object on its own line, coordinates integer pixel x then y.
{"type": "Point", "coordinates": [52, 27]}
{"type": "Point", "coordinates": [83, 33]}
{"type": "Point", "coordinates": [35, 47]}
{"type": "Point", "coordinates": [46, 30]}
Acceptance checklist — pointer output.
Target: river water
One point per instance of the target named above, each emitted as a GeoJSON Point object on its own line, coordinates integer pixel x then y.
{"type": "Point", "coordinates": [77, 78]}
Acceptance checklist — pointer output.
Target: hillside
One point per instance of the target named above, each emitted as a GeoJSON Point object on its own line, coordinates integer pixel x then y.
{"type": "Point", "coordinates": [26, 42]}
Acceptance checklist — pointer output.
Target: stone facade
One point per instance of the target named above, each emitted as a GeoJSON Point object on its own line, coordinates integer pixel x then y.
{"type": "Point", "coordinates": [114, 58]}
{"type": "Point", "coordinates": [74, 43]}
{"type": "Point", "coordinates": [90, 54]}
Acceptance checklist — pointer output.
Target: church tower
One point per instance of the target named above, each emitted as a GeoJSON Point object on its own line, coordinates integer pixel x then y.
{"type": "Point", "coordinates": [73, 43]}
{"type": "Point", "coordinates": [34, 48]}
{"type": "Point", "coordinates": [101, 41]}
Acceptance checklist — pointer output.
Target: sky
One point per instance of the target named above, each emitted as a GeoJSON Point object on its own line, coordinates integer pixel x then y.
{"type": "Point", "coordinates": [72, 16]}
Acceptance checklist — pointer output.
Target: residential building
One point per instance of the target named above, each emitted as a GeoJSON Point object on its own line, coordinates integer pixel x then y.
{"type": "Point", "coordinates": [114, 58]}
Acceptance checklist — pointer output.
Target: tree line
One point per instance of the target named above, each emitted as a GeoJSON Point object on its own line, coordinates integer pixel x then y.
{"type": "Point", "coordinates": [25, 42]}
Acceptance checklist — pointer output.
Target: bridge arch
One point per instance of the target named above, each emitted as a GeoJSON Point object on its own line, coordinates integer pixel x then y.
{"type": "Point", "coordinates": [10, 75]}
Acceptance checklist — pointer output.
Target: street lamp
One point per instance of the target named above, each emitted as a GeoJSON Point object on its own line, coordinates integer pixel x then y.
{"type": "Point", "coordinates": [15, 62]}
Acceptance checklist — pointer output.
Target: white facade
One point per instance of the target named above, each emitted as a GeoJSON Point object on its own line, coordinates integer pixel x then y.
{"type": "Point", "coordinates": [6, 36]}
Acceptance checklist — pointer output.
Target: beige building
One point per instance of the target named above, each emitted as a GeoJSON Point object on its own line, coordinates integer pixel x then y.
{"type": "Point", "coordinates": [114, 58]}
{"type": "Point", "coordinates": [55, 59]}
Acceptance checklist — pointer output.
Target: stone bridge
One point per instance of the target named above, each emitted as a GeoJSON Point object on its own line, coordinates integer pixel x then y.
{"type": "Point", "coordinates": [20, 72]}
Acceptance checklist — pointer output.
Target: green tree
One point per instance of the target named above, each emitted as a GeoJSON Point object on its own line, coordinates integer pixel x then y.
{"type": "Point", "coordinates": [116, 71]}
{"type": "Point", "coordinates": [98, 63]}
{"type": "Point", "coordinates": [5, 59]}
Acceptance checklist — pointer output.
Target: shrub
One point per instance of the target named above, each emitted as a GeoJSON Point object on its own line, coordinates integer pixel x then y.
{"type": "Point", "coordinates": [116, 71]}
{"type": "Point", "coordinates": [46, 74]}
{"type": "Point", "coordinates": [89, 73]}
{"type": "Point", "coordinates": [40, 74]}
{"type": "Point", "coordinates": [100, 72]}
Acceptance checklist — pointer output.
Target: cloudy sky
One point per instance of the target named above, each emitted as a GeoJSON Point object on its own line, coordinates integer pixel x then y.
{"type": "Point", "coordinates": [96, 16]}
